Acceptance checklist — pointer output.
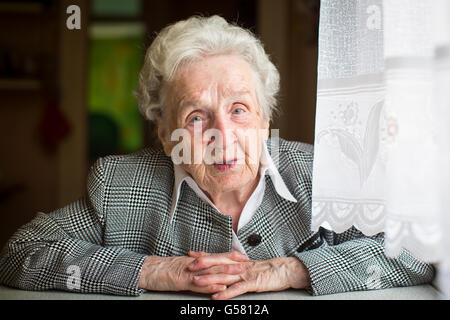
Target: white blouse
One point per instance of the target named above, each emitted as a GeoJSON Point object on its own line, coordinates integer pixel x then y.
{"type": "Point", "coordinates": [267, 166]}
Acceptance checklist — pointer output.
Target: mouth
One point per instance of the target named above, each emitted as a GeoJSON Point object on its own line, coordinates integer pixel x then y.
{"type": "Point", "coordinates": [225, 165]}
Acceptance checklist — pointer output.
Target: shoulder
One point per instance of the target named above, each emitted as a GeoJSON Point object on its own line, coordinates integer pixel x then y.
{"type": "Point", "coordinates": [147, 156]}
{"type": "Point", "coordinates": [130, 168]}
{"type": "Point", "coordinates": [291, 151]}
{"type": "Point", "coordinates": [287, 146]}
{"type": "Point", "coordinates": [295, 164]}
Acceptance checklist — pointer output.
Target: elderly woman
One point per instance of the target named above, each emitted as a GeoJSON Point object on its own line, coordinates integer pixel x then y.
{"type": "Point", "coordinates": [210, 212]}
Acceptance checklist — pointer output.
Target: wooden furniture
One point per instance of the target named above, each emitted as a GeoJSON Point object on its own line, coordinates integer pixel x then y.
{"type": "Point", "coordinates": [40, 60]}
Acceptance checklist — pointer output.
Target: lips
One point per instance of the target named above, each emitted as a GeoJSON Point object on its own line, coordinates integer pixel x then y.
{"type": "Point", "coordinates": [226, 162]}
{"type": "Point", "coordinates": [225, 165]}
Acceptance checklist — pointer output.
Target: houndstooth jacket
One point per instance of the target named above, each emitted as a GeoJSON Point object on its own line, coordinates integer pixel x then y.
{"type": "Point", "coordinates": [124, 217]}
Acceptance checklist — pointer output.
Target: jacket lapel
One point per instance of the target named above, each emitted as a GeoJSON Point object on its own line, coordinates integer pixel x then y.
{"type": "Point", "coordinates": [276, 229]}
{"type": "Point", "coordinates": [199, 227]}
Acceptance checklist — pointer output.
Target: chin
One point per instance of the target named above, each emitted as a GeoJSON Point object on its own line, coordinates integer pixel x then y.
{"type": "Point", "coordinates": [230, 183]}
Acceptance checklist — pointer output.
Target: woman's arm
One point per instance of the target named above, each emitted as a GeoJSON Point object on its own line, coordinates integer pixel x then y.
{"type": "Point", "coordinates": [63, 250]}
{"type": "Point", "coordinates": [331, 263]}
{"type": "Point", "coordinates": [351, 261]}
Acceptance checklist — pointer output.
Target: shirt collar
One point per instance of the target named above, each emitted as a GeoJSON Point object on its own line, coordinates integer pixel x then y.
{"type": "Point", "coordinates": [267, 166]}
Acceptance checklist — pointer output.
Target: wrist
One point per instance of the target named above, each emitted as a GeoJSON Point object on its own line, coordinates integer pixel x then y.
{"type": "Point", "coordinates": [298, 274]}
{"type": "Point", "coordinates": [149, 273]}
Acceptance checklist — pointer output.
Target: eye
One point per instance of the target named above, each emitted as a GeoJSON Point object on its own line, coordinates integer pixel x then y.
{"type": "Point", "coordinates": [237, 111]}
{"type": "Point", "coordinates": [195, 119]}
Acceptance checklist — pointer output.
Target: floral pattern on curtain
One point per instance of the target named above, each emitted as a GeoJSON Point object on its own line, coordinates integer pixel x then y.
{"type": "Point", "coordinates": [382, 137]}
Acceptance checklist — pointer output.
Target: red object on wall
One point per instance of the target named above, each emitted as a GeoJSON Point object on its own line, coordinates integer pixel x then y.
{"type": "Point", "coordinates": [53, 127]}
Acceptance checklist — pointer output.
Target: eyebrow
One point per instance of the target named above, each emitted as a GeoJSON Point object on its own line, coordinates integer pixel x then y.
{"type": "Point", "coordinates": [196, 103]}
{"type": "Point", "coordinates": [186, 103]}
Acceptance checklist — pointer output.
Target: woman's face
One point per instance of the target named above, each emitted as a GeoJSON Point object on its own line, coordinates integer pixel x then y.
{"type": "Point", "coordinates": [212, 103]}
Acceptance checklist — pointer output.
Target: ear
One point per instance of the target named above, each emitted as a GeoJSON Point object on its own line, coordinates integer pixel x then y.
{"type": "Point", "coordinates": [163, 135]}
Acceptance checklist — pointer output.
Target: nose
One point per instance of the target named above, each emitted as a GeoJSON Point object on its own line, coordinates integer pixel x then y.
{"type": "Point", "coordinates": [222, 133]}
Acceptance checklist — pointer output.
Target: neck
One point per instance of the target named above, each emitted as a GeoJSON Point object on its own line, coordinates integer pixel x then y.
{"type": "Point", "coordinates": [233, 202]}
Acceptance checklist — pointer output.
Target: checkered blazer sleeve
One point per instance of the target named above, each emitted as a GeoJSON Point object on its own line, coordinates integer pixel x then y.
{"type": "Point", "coordinates": [351, 261]}
{"type": "Point", "coordinates": [63, 250]}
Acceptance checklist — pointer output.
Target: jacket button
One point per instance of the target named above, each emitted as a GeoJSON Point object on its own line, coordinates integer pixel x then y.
{"type": "Point", "coordinates": [254, 239]}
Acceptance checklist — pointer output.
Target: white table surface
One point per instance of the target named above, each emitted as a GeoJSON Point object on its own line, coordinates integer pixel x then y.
{"type": "Point", "coordinates": [422, 292]}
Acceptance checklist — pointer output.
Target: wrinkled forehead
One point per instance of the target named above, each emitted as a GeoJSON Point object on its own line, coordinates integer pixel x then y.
{"type": "Point", "coordinates": [212, 77]}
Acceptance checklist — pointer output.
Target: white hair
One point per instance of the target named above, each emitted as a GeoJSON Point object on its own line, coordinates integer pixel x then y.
{"type": "Point", "coordinates": [196, 38]}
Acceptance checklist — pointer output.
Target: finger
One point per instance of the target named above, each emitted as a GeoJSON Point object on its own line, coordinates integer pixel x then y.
{"type": "Point", "coordinates": [214, 288]}
{"type": "Point", "coordinates": [232, 291]}
{"type": "Point", "coordinates": [208, 261]}
{"type": "Point", "coordinates": [196, 254]}
{"type": "Point", "coordinates": [236, 256]}
{"type": "Point", "coordinates": [211, 279]}
{"type": "Point", "coordinates": [235, 268]}
{"type": "Point", "coordinates": [233, 255]}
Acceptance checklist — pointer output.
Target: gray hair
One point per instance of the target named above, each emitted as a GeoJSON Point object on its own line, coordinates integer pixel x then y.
{"type": "Point", "coordinates": [195, 38]}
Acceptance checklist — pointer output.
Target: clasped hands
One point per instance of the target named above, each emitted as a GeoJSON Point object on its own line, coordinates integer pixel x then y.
{"type": "Point", "coordinates": [224, 275]}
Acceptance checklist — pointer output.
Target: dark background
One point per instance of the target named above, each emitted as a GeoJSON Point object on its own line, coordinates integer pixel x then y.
{"type": "Point", "coordinates": [45, 143]}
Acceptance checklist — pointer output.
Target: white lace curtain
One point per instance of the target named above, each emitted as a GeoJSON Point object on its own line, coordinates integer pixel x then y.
{"type": "Point", "coordinates": [382, 144]}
